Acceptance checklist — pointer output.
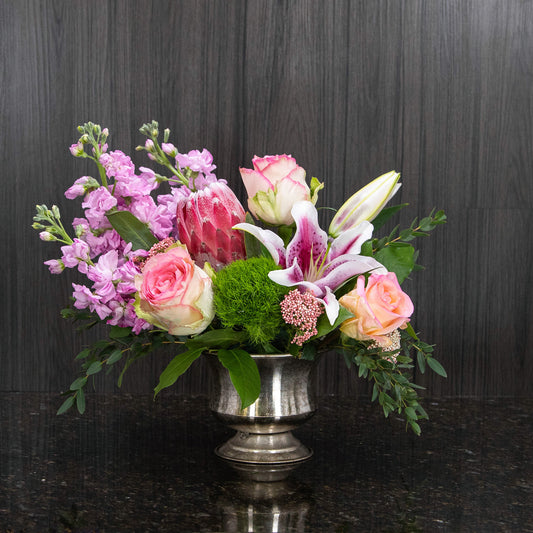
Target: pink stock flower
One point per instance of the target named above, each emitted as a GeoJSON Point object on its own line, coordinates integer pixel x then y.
{"type": "Point", "coordinates": [104, 275]}
{"type": "Point", "coordinates": [379, 309]}
{"type": "Point", "coordinates": [117, 163]}
{"type": "Point", "coordinates": [197, 161]}
{"type": "Point", "coordinates": [81, 186]}
{"type": "Point", "coordinates": [84, 298]}
{"type": "Point", "coordinates": [205, 219]}
{"type": "Point", "coordinates": [174, 294]}
{"type": "Point", "coordinates": [146, 210]}
{"type": "Point", "coordinates": [96, 204]}
{"type": "Point", "coordinates": [76, 255]}
{"type": "Point", "coordinates": [56, 266]}
{"type": "Point", "coordinates": [133, 186]}
{"type": "Point", "coordinates": [273, 186]}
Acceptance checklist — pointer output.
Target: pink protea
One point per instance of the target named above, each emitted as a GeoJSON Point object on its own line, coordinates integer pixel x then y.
{"type": "Point", "coordinates": [205, 219]}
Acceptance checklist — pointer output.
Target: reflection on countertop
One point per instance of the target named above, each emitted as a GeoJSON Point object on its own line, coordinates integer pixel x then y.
{"type": "Point", "coordinates": [131, 464]}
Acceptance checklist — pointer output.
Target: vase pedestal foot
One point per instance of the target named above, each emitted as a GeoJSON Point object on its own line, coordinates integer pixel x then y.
{"type": "Point", "coordinates": [264, 456]}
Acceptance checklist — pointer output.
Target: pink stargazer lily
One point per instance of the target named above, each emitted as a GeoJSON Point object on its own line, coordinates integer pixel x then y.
{"type": "Point", "coordinates": [313, 262]}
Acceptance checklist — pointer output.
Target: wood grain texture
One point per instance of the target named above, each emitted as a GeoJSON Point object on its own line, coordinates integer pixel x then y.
{"type": "Point", "coordinates": [440, 91]}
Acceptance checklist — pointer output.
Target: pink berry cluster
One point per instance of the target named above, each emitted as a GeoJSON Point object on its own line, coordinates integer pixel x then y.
{"type": "Point", "coordinates": [301, 310]}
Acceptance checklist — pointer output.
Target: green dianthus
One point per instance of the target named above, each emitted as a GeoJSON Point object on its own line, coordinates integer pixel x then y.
{"type": "Point", "coordinates": [246, 298]}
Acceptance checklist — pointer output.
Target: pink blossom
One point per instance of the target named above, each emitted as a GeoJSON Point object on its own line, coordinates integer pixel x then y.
{"type": "Point", "coordinates": [169, 149]}
{"type": "Point", "coordinates": [76, 149]}
{"type": "Point", "coordinates": [96, 204]}
{"type": "Point", "coordinates": [56, 266]}
{"type": "Point", "coordinates": [86, 299]}
{"type": "Point", "coordinates": [76, 255]}
{"type": "Point", "coordinates": [155, 216]}
{"type": "Point", "coordinates": [126, 275]}
{"type": "Point", "coordinates": [81, 186]}
{"type": "Point", "coordinates": [117, 163]}
{"type": "Point", "coordinates": [104, 274]}
{"type": "Point", "coordinates": [170, 201]}
{"type": "Point", "coordinates": [132, 186]}
{"type": "Point", "coordinates": [197, 161]}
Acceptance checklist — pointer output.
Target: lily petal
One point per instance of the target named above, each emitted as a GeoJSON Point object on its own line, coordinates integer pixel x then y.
{"type": "Point", "coordinates": [310, 241]}
{"type": "Point", "coordinates": [350, 241]}
{"type": "Point", "coordinates": [272, 242]}
{"type": "Point", "coordinates": [293, 277]}
{"type": "Point", "coordinates": [331, 305]}
{"type": "Point", "coordinates": [345, 267]}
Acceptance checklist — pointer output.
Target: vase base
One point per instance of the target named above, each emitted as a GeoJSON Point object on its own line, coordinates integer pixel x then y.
{"type": "Point", "coordinates": [264, 457]}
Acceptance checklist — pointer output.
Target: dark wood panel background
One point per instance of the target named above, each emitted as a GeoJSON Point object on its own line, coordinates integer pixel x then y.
{"type": "Point", "coordinates": [439, 90]}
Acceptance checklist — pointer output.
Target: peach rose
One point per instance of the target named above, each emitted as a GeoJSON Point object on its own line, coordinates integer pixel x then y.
{"type": "Point", "coordinates": [174, 294]}
{"type": "Point", "coordinates": [379, 308]}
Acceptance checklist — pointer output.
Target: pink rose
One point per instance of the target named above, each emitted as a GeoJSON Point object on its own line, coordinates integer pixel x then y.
{"type": "Point", "coordinates": [274, 185]}
{"type": "Point", "coordinates": [174, 294]}
{"type": "Point", "coordinates": [379, 308]}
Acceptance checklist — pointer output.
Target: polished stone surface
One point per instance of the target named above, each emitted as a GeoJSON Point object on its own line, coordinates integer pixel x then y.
{"type": "Point", "coordinates": [130, 464]}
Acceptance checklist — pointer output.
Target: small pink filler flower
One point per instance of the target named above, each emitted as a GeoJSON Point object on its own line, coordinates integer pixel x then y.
{"type": "Point", "coordinates": [301, 310]}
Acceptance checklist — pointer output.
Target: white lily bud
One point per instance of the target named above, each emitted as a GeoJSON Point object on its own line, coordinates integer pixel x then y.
{"type": "Point", "coordinates": [365, 204]}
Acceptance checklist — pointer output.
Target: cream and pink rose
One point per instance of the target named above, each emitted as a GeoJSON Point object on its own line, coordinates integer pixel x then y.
{"type": "Point", "coordinates": [379, 308]}
{"type": "Point", "coordinates": [274, 185]}
{"type": "Point", "coordinates": [174, 294]}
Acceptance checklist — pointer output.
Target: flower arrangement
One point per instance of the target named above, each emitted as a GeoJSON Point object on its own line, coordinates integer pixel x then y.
{"type": "Point", "coordinates": [189, 267]}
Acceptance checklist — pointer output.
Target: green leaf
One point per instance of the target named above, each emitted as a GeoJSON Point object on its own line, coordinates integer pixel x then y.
{"type": "Point", "coordinates": [243, 373]}
{"type": "Point", "coordinates": [66, 405]}
{"type": "Point", "coordinates": [421, 361]}
{"type": "Point", "coordinates": [324, 327]}
{"type": "Point", "coordinates": [80, 401]}
{"type": "Point", "coordinates": [309, 352]}
{"type": "Point", "coordinates": [375, 392]}
{"type": "Point", "coordinates": [83, 354]}
{"type": "Point", "coordinates": [409, 329]}
{"type": "Point", "coordinates": [78, 383]}
{"type": "Point", "coordinates": [131, 229]}
{"type": "Point", "coordinates": [366, 248]}
{"type": "Point", "coordinates": [178, 366]}
{"type": "Point", "coordinates": [118, 332]}
{"type": "Point", "coordinates": [398, 259]}
{"type": "Point", "coordinates": [436, 367]}
{"type": "Point", "coordinates": [115, 356]}
{"type": "Point", "coordinates": [415, 427]}
{"type": "Point", "coordinates": [217, 337]}
{"type": "Point", "coordinates": [253, 246]}
{"type": "Point", "coordinates": [385, 214]}
{"type": "Point", "coordinates": [94, 368]}
{"type": "Point", "coordinates": [410, 413]}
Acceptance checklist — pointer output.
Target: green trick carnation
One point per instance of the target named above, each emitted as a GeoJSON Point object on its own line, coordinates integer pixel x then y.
{"type": "Point", "coordinates": [246, 298]}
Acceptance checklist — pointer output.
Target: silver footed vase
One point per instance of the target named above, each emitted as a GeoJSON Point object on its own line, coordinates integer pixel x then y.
{"type": "Point", "coordinates": [264, 448]}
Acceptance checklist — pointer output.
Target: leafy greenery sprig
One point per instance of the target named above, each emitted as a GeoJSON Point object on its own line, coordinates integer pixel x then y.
{"type": "Point", "coordinates": [391, 373]}
{"type": "Point", "coordinates": [125, 346]}
{"type": "Point", "coordinates": [122, 346]}
{"type": "Point", "coordinates": [394, 251]}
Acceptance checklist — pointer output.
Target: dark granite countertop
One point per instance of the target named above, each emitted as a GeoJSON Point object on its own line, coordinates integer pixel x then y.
{"type": "Point", "coordinates": [131, 464]}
